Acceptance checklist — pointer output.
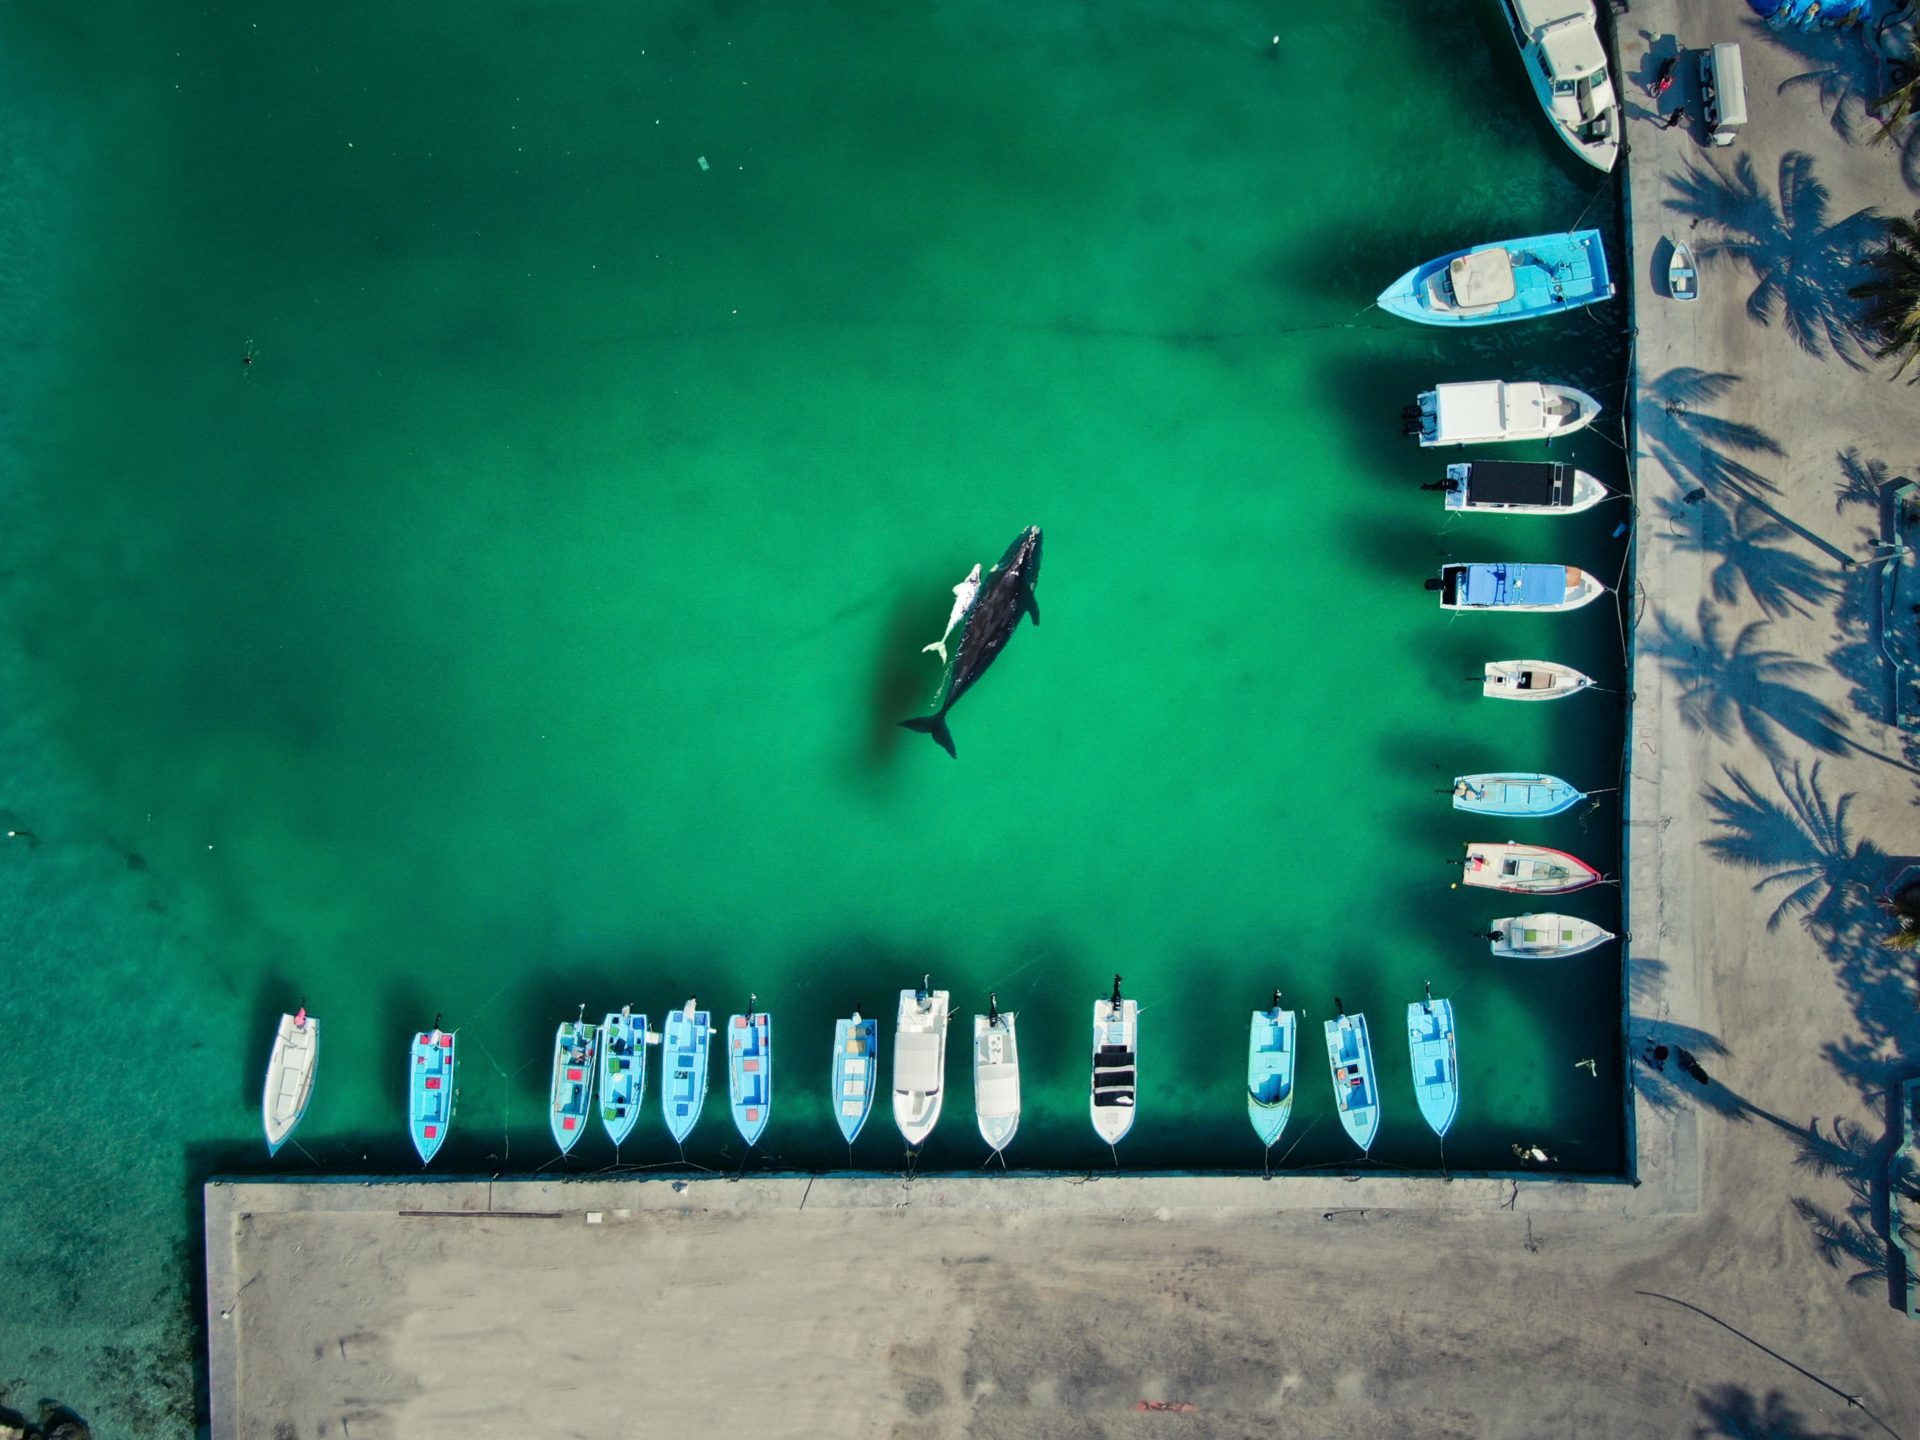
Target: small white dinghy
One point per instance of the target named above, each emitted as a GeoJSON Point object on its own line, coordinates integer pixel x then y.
{"type": "Point", "coordinates": [1116, 1030]}
{"type": "Point", "coordinates": [290, 1072]}
{"type": "Point", "coordinates": [1544, 937]}
{"type": "Point", "coordinates": [1683, 277]}
{"type": "Point", "coordinates": [996, 1076]}
{"type": "Point", "coordinates": [1531, 680]}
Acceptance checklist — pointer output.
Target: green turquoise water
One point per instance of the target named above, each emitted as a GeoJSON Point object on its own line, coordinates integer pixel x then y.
{"type": "Point", "coordinates": [528, 623]}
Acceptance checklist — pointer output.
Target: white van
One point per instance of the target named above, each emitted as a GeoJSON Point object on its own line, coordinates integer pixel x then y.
{"type": "Point", "coordinates": [1723, 89]}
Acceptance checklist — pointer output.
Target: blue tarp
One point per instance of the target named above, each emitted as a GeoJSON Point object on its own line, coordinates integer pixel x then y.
{"type": "Point", "coordinates": [1514, 585]}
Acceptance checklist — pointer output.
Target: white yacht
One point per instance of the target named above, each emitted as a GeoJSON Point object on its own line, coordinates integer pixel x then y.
{"type": "Point", "coordinates": [996, 1076]}
{"type": "Point", "coordinates": [1560, 46]}
{"type": "Point", "coordinates": [1485, 412]}
{"type": "Point", "coordinates": [1116, 1029]}
{"type": "Point", "coordinates": [919, 1061]}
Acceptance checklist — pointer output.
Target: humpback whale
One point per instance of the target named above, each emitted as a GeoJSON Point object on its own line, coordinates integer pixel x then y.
{"type": "Point", "coordinates": [1005, 594]}
{"type": "Point", "coordinates": [963, 594]}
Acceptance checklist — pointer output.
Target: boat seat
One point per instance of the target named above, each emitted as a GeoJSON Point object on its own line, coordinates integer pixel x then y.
{"type": "Point", "coordinates": [1113, 1080]}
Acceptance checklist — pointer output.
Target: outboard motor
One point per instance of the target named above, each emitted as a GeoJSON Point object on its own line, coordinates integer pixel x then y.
{"type": "Point", "coordinates": [1435, 583]}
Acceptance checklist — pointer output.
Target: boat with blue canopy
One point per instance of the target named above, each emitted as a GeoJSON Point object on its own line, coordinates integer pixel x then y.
{"type": "Point", "coordinates": [1505, 280]}
{"type": "Point", "coordinates": [1514, 794]}
{"type": "Point", "coordinates": [623, 1071]}
{"type": "Point", "coordinates": [856, 1072]}
{"type": "Point", "coordinates": [1436, 1066]}
{"type": "Point", "coordinates": [750, 1071]}
{"type": "Point", "coordinates": [1350, 1058]}
{"type": "Point", "coordinates": [683, 1068]}
{"type": "Point", "coordinates": [576, 1047]}
{"type": "Point", "coordinates": [1501, 585]}
{"type": "Point", "coordinates": [1270, 1057]}
{"type": "Point", "coordinates": [430, 1090]}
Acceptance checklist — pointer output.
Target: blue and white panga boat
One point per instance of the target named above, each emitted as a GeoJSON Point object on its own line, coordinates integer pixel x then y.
{"type": "Point", "coordinates": [1116, 1034]}
{"type": "Point", "coordinates": [1519, 487]}
{"type": "Point", "coordinates": [1350, 1057]}
{"type": "Point", "coordinates": [1500, 585]}
{"type": "Point", "coordinates": [920, 1061]}
{"type": "Point", "coordinates": [1544, 937]}
{"type": "Point", "coordinates": [683, 1068]}
{"type": "Point", "coordinates": [1270, 1057]}
{"type": "Point", "coordinates": [856, 1071]}
{"type": "Point", "coordinates": [1506, 280]}
{"type": "Point", "coordinates": [623, 1071]}
{"type": "Point", "coordinates": [1514, 795]}
{"type": "Point", "coordinates": [430, 1090]}
{"type": "Point", "coordinates": [750, 1072]}
{"type": "Point", "coordinates": [1436, 1068]}
{"type": "Point", "coordinates": [996, 1076]}
{"type": "Point", "coordinates": [576, 1050]}
{"type": "Point", "coordinates": [291, 1066]}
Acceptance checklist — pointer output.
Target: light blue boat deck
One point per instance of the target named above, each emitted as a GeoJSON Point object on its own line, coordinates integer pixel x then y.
{"type": "Point", "coordinates": [1350, 1057]}
{"type": "Point", "coordinates": [750, 1072]}
{"type": "Point", "coordinates": [575, 1050]}
{"type": "Point", "coordinates": [855, 1072]}
{"type": "Point", "coordinates": [683, 1070]}
{"type": "Point", "coordinates": [1436, 1068]}
{"type": "Point", "coordinates": [1549, 273]}
{"type": "Point", "coordinates": [623, 1073]}
{"type": "Point", "coordinates": [1270, 1063]}
{"type": "Point", "coordinates": [1515, 795]}
{"type": "Point", "coordinates": [430, 1091]}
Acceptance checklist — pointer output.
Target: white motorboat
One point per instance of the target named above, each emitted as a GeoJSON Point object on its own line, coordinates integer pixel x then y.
{"type": "Point", "coordinates": [1531, 680]}
{"type": "Point", "coordinates": [1116, 1028]}
{"type": "Point", "coordinates": [290, 1070]}
{"type": "Point", "coordinates": [919, 1061]}
{"type": "Point", "coordinates": [1544, 937]}
{"type": "Point", "coordinates": [996, 1076]}
{"type": "Point", "coordinates": [1519, 487]}
{"type": "Point", "coordinates": [1488, 412]}
{"type": "Point", "coordinates": [1562, 52]}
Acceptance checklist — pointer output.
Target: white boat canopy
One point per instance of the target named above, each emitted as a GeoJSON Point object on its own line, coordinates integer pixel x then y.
{"type": "Point", "coordinates": [1573, 51]}
{"type": "Point", "coordinates": [999, 1091]}
{"type": "Point", "coordinates": [916, 1062]}
{"type": "Point", "coordinates": [1482, 280]}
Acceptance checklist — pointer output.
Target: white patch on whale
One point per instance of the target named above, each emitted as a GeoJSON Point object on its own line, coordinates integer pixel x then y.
{"type": "Point", "coordinates": [963, 594]}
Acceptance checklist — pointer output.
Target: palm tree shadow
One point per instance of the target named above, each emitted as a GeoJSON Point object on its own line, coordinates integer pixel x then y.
{"type": "Point", "coordinates": [1844, 78]}
{"type": "Point", "coordinates": [1746, 538]}
{"type": "Point", "coordinates": [1697, 448]}
{"type": "Point", "coordinates": [1726, 687]}
{"type": "Point", "coordinates": [1733, 1412]}
{"type": "Point", "coordinates": [1802, 840]}
{"type": "Point", "coordinates": [1800, 258]}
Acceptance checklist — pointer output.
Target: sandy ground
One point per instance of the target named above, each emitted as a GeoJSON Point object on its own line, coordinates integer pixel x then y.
{"type": "Point", "coordinates": [1740, 1290]}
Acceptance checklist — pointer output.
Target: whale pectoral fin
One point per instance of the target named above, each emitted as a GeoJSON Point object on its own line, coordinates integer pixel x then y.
{"type": "Point", "coordinates": [1032, 606]}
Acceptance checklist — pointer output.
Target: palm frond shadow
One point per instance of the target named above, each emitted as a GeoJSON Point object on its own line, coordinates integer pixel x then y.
{"type": "Point", "coordinates": [1844, 78]}
{"type": "Point", "coordinates": [1733, 1412]}
{"type": "Point", "coordinates": [1863, 483]}
{"type": "Point", "coordinates": [1740, 685]}
{"type": "Point", "coordinates": [1748, 542]}
{"type": "Point", "coordinates": [1802, 261]}
{"type": "Point", "coordinates": [1802, 839]}
{"type": "Point", "coordinates": [1697, 448]}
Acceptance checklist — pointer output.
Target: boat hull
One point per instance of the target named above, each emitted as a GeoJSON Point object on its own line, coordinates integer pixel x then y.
{"type": "Point", "coordinates": [1545, 937]}
{"type": "Point", "coordinates": [431, 1091]}
{"type": "Point", "coordinates": [1545, 275]}
{"type": "Point", "coordinates": [1531, 680]}
{"type": "Point", "coordinates": [292, 1065]}
{"type": "Point", "coordinates": [1436, 1067]}
{"type": "Point", "coordinates": [854, 1074]}
{"type": "Point", "coordinates": [1350, 1060]}
{"type": "Point", "coordinates": [996, 1080]}
{"type": "Point", "coordinates": [1116, 1030]}
{"type": "Point", "coordinates": [750, 1073]}
{"type": "Point", "coordinates": [1526, 869]}
{"type": "Point", "coordinates": [576, 1054]}
{"type": "Point", "coordinates": [1270, 1065]}
{"type": "Point", "coordinates": [623, 1073]}
{"type": "Point", "coordinates": [1517, 796]}
{"type": "Point", "coordinates": [920, 1063]}
{"type": "Point", "coordinates": [1498, 412]}
{"type": "Point", "coordinates": [1601, 147]}
{"type": "Point", "coordinates": [685, 1039]}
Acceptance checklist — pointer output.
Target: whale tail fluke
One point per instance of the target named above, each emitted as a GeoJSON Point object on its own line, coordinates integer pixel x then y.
{"type": "Point", "coordinates": [936, 726]}
{"type": "Point", "coordinates": [938, 647]}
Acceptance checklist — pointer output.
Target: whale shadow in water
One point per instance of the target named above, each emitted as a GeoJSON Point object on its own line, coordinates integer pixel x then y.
{"type": "Point", "coordinates": [904, 680]}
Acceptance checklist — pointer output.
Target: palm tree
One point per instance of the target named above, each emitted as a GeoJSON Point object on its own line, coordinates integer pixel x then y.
{"type": "Point", "coordinates": [1893, 308]}
{"type": "Point", "coordinates": [1764, 691]}
{"type": "Point", "coordinates": [1798, 256]}
{"type": "Point", "coordinates": [1747, 542]}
